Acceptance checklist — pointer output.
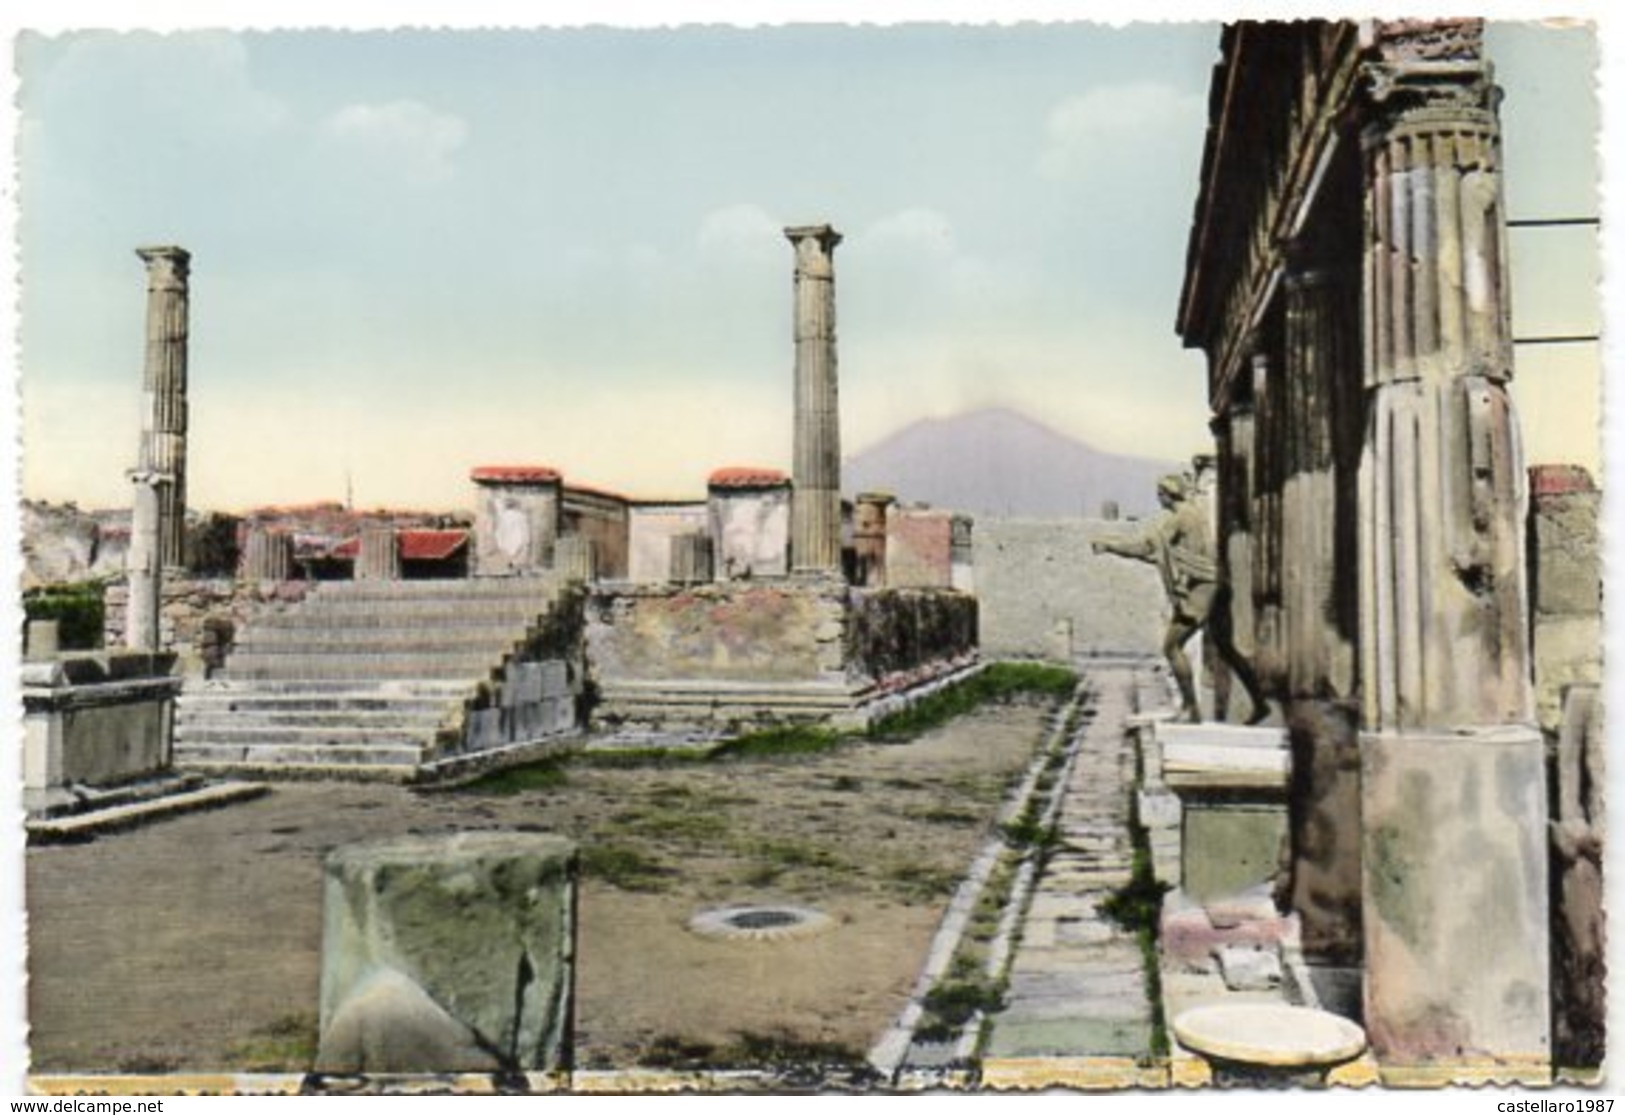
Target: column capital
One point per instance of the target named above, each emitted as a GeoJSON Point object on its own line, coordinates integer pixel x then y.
{"type": "Point", "coordinates": [815, 246]}
{"type": "Point", "coordinates": [1428, 75]}
{"type": "Point", "coordinates": [166, 262]}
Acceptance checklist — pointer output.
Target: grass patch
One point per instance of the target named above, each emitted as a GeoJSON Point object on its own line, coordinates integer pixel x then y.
{"type": "Point", "coordinates": [624, 867]}
{"type": "Point", "coordinates": [694, 825]}
{"type": "Point", "coordinates": [782, 1049]}
{"type": "Point", "coordinates": [774, 743]}
{"type": "Point", "coordinates": [846, 784]}
{"type": "Point", "coordinates": [1137, 906]}
{"type": "Point", "coordinates": [546, 775]}
{"type": "Point", "coordinates": [1001, 681]}
{"type": "Point", "coordinates": [287, 1044]}
{"type": "Point", "coordinates": [919, 882]}
{"type": "Point", "coordinates": [954, 1002]}
{"type": "Point", "coordinates": [944, 815]}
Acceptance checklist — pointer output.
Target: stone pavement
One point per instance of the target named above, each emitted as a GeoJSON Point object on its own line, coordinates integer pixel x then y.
{"type": "Point", "coordinates": [1077, 1013]}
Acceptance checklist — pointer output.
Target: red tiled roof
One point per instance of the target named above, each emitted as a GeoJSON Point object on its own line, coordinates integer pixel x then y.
{"type": "Point", "coordinates": [415, 545]}
{"type": "Point", "coordinates": [516, 474]}
{"type": "Point", "coordinates": [747, 476]}
{"type": "Point", "coordinates": [1552, 480]}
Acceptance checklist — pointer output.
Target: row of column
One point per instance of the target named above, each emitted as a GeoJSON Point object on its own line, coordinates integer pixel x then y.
{"type": "Point", "coordinates": [1372, 521]}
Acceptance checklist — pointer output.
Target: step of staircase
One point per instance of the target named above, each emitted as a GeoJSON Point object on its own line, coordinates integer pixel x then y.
{"type": "Point", "coordinates": [360, 676]}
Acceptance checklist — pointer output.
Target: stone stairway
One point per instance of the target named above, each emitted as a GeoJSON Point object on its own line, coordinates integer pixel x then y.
{"type": "Point", "coordinates": [364, 677]}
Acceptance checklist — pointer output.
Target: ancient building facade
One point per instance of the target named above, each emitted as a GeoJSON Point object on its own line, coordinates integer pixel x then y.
{"type": "Point", "coordinates": [1347, 279]}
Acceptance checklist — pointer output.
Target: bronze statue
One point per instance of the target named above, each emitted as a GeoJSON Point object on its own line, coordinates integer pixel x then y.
{"type": "Point", "coordinates": [1180, 544]}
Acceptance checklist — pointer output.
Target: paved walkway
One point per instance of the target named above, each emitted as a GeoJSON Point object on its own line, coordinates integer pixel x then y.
{"type": "Point", "coordinates": [1076, 1013]}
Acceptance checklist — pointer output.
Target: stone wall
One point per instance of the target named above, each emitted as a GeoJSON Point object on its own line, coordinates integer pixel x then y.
{"type": "Point", "coordinates": [651, 529]}
{"type": "Point", "coordinates": [199, 619]}
{"type": "Point", "coordinates": [537, 693]}
{"type": "Point", "coordinates": [1565, 585]}
{"type": "Point", "coordinates": [1037, 578]}
{"type": "Point", "coordinates": [731, 632]}
{"type": "Point", "coordinates": [730, 655]}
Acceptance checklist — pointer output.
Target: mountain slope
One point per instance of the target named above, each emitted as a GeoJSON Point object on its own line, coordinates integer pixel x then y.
{"type": "Point", "coordinates": [1000, 462]}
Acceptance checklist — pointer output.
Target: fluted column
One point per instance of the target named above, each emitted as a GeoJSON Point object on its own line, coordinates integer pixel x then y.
{"type": "Point", "coordinates": [163, 432]}
{"type": "Point", "coordinates": [1321, 356]}
{"type": "Point", "coordinates": [1452, 773]}
{"type": "Point", "coordinates": [815, 506]}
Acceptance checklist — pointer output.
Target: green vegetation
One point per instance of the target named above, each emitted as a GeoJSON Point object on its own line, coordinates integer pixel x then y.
{"type": "Point", "coordinates": [623, 867]}
{"type": "Point", "coordinates": [954, 1001]}
{"type": "Point", "coordinates": [774, 743]}
{"type": "Point", "coordinates": [1002, 681]}
{"type": "Point", "coordinates": [79, 609]}
{"type": "Point", "coordinates": [548, 774]}
{"type": "Point", "coordinates": [287, 1044]}
{"type": "Point", "coordinates": [1137, 906]}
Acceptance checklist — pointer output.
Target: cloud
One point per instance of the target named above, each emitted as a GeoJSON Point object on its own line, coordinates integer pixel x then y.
{"type": "Point", "coordinates": [740, 232]}
{"type": "Point", "coordinates": [1082, 133]}
{"type": "Point", "coordinates": [408, 137]}
{"type": "Point", "coordinates": [916, 232]}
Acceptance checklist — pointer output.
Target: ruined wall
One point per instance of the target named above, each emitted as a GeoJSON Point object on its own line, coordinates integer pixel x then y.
{"type": "Point", "coordinates": [1565, 585]}
{"type": "Point", "coordinates": [893, 633]}
{"type": "Point", "coordinates": [779, 632]}
{"type": "Point", "coordinates": [651, 529]}
{"type": "Point", "coordinates": [729, 631]}
{"type": "Point", "coordinates": [198, 619]}
{"type": "Point", "coordinates": [1035, 576]}
{"type": "Point", "coordinates": [751, 532]}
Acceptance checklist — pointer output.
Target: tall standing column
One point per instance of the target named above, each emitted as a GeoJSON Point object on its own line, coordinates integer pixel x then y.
{"type": "Point", "coordinates": [1452, 777]}
{"type": "Point", "coordinates": [158, 503]}
{"type": "Point", "coordinates": [163, 433]}
{"type": "Point", "coordinates": [815, 503]}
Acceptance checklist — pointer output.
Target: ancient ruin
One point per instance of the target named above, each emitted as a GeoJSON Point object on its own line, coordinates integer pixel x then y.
{"type": "Point", "coordinates": [1347, 278]}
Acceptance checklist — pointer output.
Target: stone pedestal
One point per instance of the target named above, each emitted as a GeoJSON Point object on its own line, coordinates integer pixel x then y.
{"type": "Point", "coordinates": [815, 508]}
{"type": "Point", "coordinates": [1231, 782]}
{"type": "Point", "coordinates": [449, 954]}
{"type": "Point", "coordinates": [749, 512]}
{"type": "Point", "coordinates": [1456, 905]}
{"type": "Point", "coordinates": [379, 556]}
{"type": "Point", "coordinates": [516, 519]}
{"type": "Point", "coordinates": [42, 639]}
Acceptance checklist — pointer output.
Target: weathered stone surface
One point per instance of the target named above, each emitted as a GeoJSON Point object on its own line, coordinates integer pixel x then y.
{"type": "Point", "coordinates": [1324, 817]}
{"type": "Point", "coordinates": [379, 556]}
{"type": "Point", "coordinates": [652, 529]}
{"type": "Point", "coordinates": [163, 389]}
{"type": "Point", "coordinates": [1455, 897]}
{"type": "Point", "coordinates": [516, 519]}
{"type": "Point", "coordinates": [750, 524]}
{"type": "Point", "coordinates": [815, 505]}
{"type": "Point", "coordinates": [1033, 575]}
{"type": "Point", "coordinates": [1248, 969]}
{"type": "Point", "coordinates": [1579, 844]}
{"type": "Point", "coordinates": [445, 954]}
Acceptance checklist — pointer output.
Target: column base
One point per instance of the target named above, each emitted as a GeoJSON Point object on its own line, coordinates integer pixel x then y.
{"type": "Point", "coordinates": [1455, 904]}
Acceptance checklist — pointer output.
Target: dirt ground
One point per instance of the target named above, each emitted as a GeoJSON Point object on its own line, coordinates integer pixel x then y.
{"type": "Point", "coordinates": [195, 943]}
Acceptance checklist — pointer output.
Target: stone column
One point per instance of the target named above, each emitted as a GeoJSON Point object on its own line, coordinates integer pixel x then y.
{"type": "Point", "coordinates": [141, 563]}
{"type": "Point", "coordinates": [1453, 783]}
{"type": "Point", "coordinates": [869, 536]}
{"type": "Point", "coordinates": [1321, 393]}
{"type": "Point", "coordinates": [267, 555]}
{"type": "Point", "coordinates": [379, 556]}
{"type": "Point", "coordinates": [163, 387]}
{"type": "Point", "coordinates": [815, 507]}
{"type": "Point", "coordinates": [1265, 515]}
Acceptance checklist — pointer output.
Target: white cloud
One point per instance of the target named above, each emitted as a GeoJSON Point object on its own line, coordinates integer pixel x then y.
{"type": "Point", "coordinates": [916, 232]}
{"type": "Point", "coordinates": [1081, 132]}
{"type": "Point", "coordinates": [743, 231]}
{"type": "Point", "coordinates": [414, 140]}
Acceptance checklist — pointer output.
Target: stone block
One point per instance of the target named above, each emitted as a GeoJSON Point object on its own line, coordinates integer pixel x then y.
{"type": "Point", "coordinates": [1248, 969]}
{"type": "Point", "coordinates": [449, 954]}
{"type": "Point", "coordinates": [1455, 898]}
{"type": "Point", "coordinates": [554, 679]}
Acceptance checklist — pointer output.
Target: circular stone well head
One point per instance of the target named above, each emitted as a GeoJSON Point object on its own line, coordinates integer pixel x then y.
{"type": "Point", "coordinates": [759, 923]}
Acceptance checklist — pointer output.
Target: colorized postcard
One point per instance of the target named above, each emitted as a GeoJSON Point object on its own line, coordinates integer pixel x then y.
{"type": "Point", "coordinates": [941, 555]}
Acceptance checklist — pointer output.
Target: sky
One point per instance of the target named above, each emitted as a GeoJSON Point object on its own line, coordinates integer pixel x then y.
{"type": "Point", "coordinates": [417, 252]}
